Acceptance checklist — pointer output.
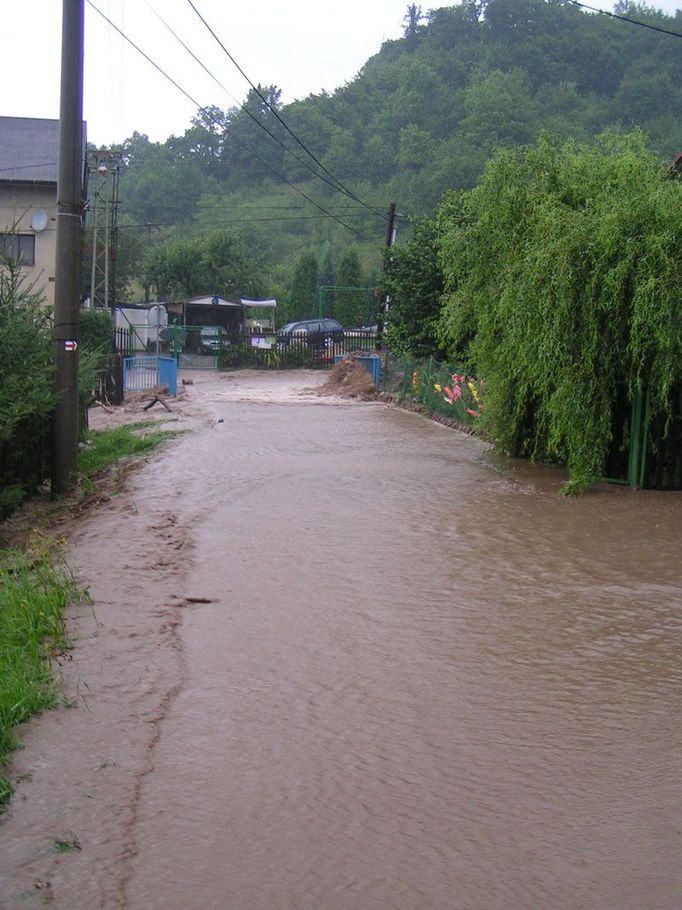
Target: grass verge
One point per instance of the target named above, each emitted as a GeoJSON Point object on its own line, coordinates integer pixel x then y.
{"type": "Point", "coordinates": [35, 587]}
{"type": "Point", "coordinates": [104, 447]}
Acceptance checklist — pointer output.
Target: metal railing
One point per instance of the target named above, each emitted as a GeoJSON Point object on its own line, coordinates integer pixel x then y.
{"type": "Point", "coordinates": [147, 371]}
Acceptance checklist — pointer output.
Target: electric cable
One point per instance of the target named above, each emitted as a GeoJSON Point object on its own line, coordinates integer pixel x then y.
{"type": "Point", "coordinates": [274, 111]}
{"type": "Point", "coordinates": [156, 66]}
{"type": "Point", "coordinates": [259, 124]}
{"type": "Point", "coordinates": [653, 28]}
{"type": "Point", "coordinates": [195, 224]}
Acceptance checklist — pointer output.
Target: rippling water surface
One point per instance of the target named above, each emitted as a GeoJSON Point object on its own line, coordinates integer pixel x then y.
{"type": "Point", "coordinates": [424, 679]}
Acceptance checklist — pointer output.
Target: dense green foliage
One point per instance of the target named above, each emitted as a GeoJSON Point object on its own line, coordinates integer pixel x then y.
{"type": "Point", "coordinates": [563, 273]}
{"type": "Point", "coordinates": [303, 290]}
{"type": "Point", "coordinates": [96, 331]}
{"type": "Point", "coordinates": [350, 302]}
{"type": "Point", "coordinates": [218, 263]}
{"type": "Point", "coordinates": [34, 591]}
{"type": "Point", "coordinates": [421, 117]}
{"type": "Point", "coordinates": [26, 395]}
{"type": "Point", "coordinates": [413, 281]}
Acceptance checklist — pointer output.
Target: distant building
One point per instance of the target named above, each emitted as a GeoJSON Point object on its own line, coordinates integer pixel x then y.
{"type": "Point", "coordinates": [28, 196]}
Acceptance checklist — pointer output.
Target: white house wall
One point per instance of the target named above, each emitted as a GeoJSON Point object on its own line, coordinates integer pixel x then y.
{"type": "Point", "coordinates": [18, 204]}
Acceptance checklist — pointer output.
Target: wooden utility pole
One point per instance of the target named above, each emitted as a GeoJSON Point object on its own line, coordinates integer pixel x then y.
{"type": "Point", "coordinates": [68, 255]}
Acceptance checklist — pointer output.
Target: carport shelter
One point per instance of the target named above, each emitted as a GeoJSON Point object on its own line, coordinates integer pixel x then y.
{"type": "Point", "coordinates": [209, 311]}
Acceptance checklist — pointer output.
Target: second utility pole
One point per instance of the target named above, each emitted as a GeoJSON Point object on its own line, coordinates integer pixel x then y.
{"type": "Point", "coordinates": [390, 231]}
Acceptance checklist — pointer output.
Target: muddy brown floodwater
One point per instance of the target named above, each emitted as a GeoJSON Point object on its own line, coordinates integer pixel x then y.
{"type": "Point", "coordinates": [344, 658]}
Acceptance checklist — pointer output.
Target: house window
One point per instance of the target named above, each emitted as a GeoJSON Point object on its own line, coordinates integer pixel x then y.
{"type": "Point", "coordinates": [20, 247]}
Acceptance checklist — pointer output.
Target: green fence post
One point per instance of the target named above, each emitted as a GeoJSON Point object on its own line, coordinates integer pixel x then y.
{"type": "Point", "coordinates": [645, 438]}
{"type": "Point", "coordinates": [635, 437]}
{"type": "Point", "coordinates": [175, 344]}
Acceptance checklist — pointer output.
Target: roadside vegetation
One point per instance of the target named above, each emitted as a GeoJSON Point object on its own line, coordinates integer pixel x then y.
{"type": "Point", "coordinates": [35, 588]}
{"type": "Point", "coordinates": [556, 283]}
{"type": "Point", "coordinates": [102, 448]}
{"type": "Point", "coordinates": [26, 396]}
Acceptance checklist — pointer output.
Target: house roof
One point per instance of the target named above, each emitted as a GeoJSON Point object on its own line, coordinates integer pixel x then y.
{"type": "Point", "coordinates": [29, 149]}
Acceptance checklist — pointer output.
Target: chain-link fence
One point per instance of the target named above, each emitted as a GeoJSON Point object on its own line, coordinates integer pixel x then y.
{"type": "Point", "coordinates": [439, 387]}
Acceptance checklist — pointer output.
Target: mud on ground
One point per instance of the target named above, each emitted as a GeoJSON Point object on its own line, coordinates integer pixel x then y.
{"type": "Point", "coordinates": [67, 833]}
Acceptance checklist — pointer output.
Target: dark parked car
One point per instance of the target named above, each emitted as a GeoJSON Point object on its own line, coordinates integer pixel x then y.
{"type": "Point", "coordinates": [211, 338]}
{"type": "Point", "coordinates": [319, 333]}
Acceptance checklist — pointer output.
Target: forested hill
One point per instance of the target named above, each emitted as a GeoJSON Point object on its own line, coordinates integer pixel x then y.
{"type": "Point", "coordinates": [422, 116]}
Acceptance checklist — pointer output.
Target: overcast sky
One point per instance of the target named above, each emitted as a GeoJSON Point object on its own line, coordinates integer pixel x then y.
{"type": "Point", "coordinates": [301, 47]}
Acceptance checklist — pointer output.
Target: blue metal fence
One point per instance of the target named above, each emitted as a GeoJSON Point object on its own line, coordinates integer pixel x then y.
{"type": "Point", "coordinates": [147, 371]}
{"type": "Point", "coordinates": [371, 362]}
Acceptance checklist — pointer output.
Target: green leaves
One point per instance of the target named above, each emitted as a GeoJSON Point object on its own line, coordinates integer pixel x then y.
{"type": "Point", "coordinates": [563, 273]}
{"type": "Point", "coordinates": [215, 263]}
{"type": "Point", "coordinates": [26, 396]}
{"type": "Point", "coordinates": [413, 281]}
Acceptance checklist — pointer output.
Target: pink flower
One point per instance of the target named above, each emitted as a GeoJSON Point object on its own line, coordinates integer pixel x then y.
{"type": "Point", "coordinates": [473, 413]}
{"type": "Point", "coordinates": [457, 378]}
{"type": "Point", "coordinates": [452, 395]}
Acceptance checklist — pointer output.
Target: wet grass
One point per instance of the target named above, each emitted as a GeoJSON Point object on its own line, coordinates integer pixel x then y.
{"type": "Point", "coordinates": [66, 844]}
{"type": "Point", "coordinates": [105, 447]}
{"type": "Point", "coordinates": [35, 588]}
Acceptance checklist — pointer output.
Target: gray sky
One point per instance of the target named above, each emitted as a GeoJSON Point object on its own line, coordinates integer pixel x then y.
{"type": "Point", "coordinates": [301, 47]}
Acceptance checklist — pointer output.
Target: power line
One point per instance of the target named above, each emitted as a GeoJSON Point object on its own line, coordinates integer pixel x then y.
{"type": "Point", "coordinates": [253, 207]}
{"type": "Point", "coordinates": [281, 177]}
{"type": "Point", "coordinates": [340, 186]}
{"type": "Point", "coordinates": [198, 225]}
{"type": "Point", "coordinates": [653, 28]}
{"type": "Point", "coordinates": [244, 108]}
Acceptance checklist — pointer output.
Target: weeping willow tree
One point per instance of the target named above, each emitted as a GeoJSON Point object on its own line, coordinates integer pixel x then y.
{"type": "Point", "coordinates": [563, 273]}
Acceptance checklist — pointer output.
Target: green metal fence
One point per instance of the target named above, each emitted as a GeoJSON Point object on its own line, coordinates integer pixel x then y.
{"type": "Point", "coordinates": [655, 449]}
{"type": "Point", "coordinates": [646, 443]}
{"type": "Point", "coordinates": [298, 352]}
{"type": "Point", "coordinates": [441, 388]}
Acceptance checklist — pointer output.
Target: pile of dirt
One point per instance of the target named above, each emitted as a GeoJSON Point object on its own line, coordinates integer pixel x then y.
{"type": "Point", "coordinates": [350, 379]}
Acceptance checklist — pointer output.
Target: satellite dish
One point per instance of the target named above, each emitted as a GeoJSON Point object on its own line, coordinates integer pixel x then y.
{"type": "Point", "coordinates": [39, 220]}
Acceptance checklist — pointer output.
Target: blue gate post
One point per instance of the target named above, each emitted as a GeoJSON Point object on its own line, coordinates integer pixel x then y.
{"type": "Point", "coordinates": [168, 374]}
{"type": "Point", "coordinates": [143, 373]}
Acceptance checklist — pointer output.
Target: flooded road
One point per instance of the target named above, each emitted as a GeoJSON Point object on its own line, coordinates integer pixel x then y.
{"type": "Point", "coordinates": [408, 675]}
{"type": "Point", "coordinates": [421, 681]}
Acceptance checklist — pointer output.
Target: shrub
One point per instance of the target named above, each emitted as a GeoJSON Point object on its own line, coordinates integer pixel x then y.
{"type": "Point", "coordinates": [26, 386]}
